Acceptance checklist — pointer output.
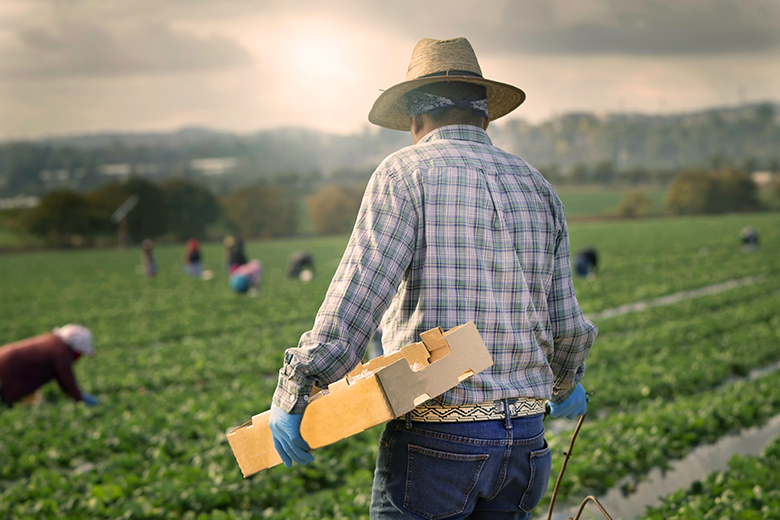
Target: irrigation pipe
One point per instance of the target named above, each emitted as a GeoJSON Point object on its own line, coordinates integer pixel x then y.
{"type": "Point", "coordinates": [567, 454]}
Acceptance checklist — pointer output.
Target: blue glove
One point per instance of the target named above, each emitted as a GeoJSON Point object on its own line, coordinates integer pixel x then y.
{"type": "Point", "coordinates": [574, 405]}
{"type": "Point", "coordinates": [286, 431]}
{"type": "Point", "coordinates": [89, 399]}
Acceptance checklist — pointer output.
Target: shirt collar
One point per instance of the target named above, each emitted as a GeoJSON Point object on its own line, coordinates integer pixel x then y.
{"type": "Point", "coordinates": [458, 133]}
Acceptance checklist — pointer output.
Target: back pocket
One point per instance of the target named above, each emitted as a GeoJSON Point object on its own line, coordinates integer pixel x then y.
{"type": "Point", "coordinates": [540, 467]}
{"type": "Point", "coordinates": [438, 483]}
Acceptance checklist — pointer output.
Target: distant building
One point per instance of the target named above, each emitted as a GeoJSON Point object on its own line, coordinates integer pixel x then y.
{"type": "Point", "coordinates": [118, 170]}
{"type": "Point", "coordinates": [762, 178]}
{"type": "Point", "coordinates": [214, 165]}
{"type": "Point", "coordinates": [20, 201]}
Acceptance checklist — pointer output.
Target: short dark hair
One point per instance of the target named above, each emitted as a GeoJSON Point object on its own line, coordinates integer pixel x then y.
{"type": "Point", "coordinates": [457, 90]}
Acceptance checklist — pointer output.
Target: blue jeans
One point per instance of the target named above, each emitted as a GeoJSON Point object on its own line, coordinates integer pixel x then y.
{"type": "Point", "coordinates": [495, 469]}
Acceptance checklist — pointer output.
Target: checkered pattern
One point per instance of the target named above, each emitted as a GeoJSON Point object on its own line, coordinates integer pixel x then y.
{"type": "Point", "coordinates": [453, 230]}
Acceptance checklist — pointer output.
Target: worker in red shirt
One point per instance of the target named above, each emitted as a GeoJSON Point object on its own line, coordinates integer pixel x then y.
{"type": "Point", "coordinates": [28, 364]}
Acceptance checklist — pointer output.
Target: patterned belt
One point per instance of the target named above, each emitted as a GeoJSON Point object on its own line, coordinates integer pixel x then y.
{"type": "Point", "coordinates": [518, 407]}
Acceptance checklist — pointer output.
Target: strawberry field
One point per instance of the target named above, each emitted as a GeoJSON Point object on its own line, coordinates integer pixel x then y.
{"type": "Point", "coordinates": [181, 360]}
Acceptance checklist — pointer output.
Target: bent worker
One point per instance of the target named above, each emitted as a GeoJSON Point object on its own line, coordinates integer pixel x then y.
{"type": "Point", "coordinates": [301, 266]}
{"type": "Point", "coordinates": [28, 364]}
{"type": "Point", "coordinates": [586, 261]}
{"type": "Point", "coordinates": [452, 229]}
{"type": "Point", "coordinates": [246, 277]}
{"type": "Point", "coordinates": [749, 238]}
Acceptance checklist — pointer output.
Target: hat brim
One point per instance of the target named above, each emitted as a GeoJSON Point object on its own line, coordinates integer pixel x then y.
{"type": "Point", "coordinates": [389, 109]}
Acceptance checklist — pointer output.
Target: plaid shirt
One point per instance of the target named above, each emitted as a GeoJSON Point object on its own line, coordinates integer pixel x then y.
{"type": "Point", "coordinates": [453, 230]}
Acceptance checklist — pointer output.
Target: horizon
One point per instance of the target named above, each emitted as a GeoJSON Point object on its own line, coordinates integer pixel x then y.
{"type": "Point", "coordinates": [105, 66]}
{"type": "Point", "coordinates": [373, 128]}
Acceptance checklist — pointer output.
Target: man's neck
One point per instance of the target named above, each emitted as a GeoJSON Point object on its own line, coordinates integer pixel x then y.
{"type": "Point", "coordinates": [423, 124]}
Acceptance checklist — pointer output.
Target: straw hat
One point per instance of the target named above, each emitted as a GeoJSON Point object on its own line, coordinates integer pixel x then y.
{"type": "Point", "coordinates": [441, 60]}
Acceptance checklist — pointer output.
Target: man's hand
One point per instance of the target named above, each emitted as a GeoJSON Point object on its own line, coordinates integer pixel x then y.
{"type": "Point", "coordinates": [89, 399]}
{"type": "Point", "coordinates": [286, 431]}
{"type": "Point", "coordinates": [574, 405]}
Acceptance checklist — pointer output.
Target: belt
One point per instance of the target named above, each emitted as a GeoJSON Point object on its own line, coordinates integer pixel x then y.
{"type": "Point", "coordinates": [491, 410]}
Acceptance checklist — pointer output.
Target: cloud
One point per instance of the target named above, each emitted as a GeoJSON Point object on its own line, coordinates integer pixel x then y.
{"type": "Point", "coordinates": [70, 48]}
{"type": "Point", "coordinates": [592, 27]}
{"type": "Point", "coordinates": [650, 27]}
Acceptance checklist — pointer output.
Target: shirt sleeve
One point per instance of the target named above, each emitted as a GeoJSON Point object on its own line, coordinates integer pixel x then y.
{"type": "Point", "coordinates": [573, 334]}
{"type": "Point", "coordinates": [66, 378]}
{"type": "Point", "coordinates": [374, 263]}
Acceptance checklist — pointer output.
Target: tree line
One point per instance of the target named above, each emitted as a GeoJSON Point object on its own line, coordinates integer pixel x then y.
{"type": "Point", "coordinates": [180, 209]}
{"type": "Point", "coordinates": [574, 148]}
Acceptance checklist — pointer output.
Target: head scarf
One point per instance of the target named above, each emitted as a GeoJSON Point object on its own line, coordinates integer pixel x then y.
{"type": "Point", "coordinates": [77, 337]}
{"type": "Point", "coordinates": [425, 103]}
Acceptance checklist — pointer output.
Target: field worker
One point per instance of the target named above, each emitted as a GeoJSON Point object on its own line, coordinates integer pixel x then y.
{"type": "Point", "coordinates": [28, 364]}
{"type": "Point", "coordinates": [749, 238]}
{"type": "Point", "coordinates": [451, 230]}
{"type": "Point", "coordinates": [246, 277]}
{"type": "Point", "coordinates": [237, 255]}
{"type": "Point", "coordinates": [192, 259]}
{"type": "Point", "coordinates": [586, 261]}
{"type": "Point", "coordinates": [301, 266]}
{"type": "Point", "coordinates": [227, 246]}
{"type": "Point", "coordinates": [147, 256]}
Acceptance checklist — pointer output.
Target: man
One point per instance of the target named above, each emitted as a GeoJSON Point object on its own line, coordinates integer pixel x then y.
{"type": "Point", "coordinates": [28, 364]}
{"type": "Point", "coordinates": [452, 229]}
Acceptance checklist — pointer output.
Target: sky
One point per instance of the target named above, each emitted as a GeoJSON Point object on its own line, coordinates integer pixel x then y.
{"type": "Point", "coordinates": [72, 67]}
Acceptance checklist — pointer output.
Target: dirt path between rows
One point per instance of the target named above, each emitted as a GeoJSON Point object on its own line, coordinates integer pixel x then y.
{"type": "Point", "coordinates": [671, 299]}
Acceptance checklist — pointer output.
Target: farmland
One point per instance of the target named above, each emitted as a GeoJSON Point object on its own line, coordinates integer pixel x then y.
{"type": "Point", "coordinates": [181, 360]}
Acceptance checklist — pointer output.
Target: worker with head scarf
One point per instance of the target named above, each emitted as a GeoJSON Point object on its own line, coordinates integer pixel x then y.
{"type": "Point", "coordinates": [28, 364]}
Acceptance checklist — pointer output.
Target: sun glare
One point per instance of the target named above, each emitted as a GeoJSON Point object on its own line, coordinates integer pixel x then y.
{"type": "Point", "coordinates": [320, 56]}
{"type": "Point", "coordinates": [315, 56]}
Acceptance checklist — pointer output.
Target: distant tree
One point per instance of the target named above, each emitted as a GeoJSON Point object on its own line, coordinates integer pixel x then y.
{"type": "Point", "coordinates": [696, 192]}
{"type": "Point", "coordinates": [60, 216]}
{"type": "Point", "coordinates": [334, 209]}
{"type": "Point", "coordinates": [689, 192]}
{"type": "Point", "coordinates": [663, 176]}
{"type": "Point", "coordinates": [749, 165]}
{"type": "Point", "coordinates": [261, 211]}
{"type": "Point", "coordinates": [636, 175]}
{"type": "Point", "coordinates": [551, 172]}
{"type": "Point", "coordinates": [719, 161]}
{"type": "Point", "coordinates": [579, 173]}
{"type": "Point", "coordinates": [775, 194]}
{"type": "Point", "coordinates": [765, 114]}
{"type": "Point", "coordinates": [147, 219]}
{"type": "Point", "coordinates": [735, 191]}
{"type": "Point", "coordinates": [773, 165]}
{"type": "Point", "coordinates": [190, 207]}
{"type": "Point", "coordinates": [635, 204]}
{"type": "Point", "coordinates": [604, 172]}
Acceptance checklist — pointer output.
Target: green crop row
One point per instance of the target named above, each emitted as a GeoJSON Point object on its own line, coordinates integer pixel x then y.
{"type": "Point", "coordinates": [749, 489]}
{"type": "Point", "coordinates": [655, 257]}
{"type": "Point", "coordinates": [686, 353]}
{"type": "Point", "coordinates": [180, 361]}
{"type": "Point", "coordinates": [632, 443]}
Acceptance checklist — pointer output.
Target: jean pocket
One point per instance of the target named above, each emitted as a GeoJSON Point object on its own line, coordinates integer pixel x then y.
{"type": "Point", "coordinates": [438, 483]}
{"type": "Point", "coordinates": [540, 466]}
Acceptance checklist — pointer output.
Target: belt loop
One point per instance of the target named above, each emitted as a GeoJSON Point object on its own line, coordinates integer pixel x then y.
{"type": "Point", "coordinates": [408, 421]}
{"type": "Point", "coordinates": [507, 415]}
